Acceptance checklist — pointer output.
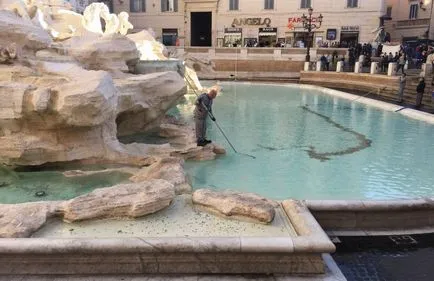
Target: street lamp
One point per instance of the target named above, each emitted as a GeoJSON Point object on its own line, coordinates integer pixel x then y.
{"type": "Point", "coordinates": [307, 24]}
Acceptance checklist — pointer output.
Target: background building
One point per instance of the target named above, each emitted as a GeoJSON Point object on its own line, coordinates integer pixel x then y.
{"type": "Point", "coordinates": [229, 22]}
{"type": "Point", "coordinates": [410, 20]}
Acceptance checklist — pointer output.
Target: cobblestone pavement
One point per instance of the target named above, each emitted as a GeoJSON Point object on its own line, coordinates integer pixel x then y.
{"type": "Point", "coordinates": [386, 258]}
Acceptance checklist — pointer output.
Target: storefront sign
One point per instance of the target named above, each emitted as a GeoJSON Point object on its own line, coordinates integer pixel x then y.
{"type": "Point", "coordinates": [331, 34]}
{"type": "Point", "coordinates": [268, 29]}
{"type": "Point", "coordinates": [299, 20]}
{"type": "Point", "coordinates": [233, 30]}
{"type": "Point", "coordinates": [252, 21]}
{"type": "Point", "coordinates": [350, 28]}
{"type": "Point", "coordinates": [294, 22]}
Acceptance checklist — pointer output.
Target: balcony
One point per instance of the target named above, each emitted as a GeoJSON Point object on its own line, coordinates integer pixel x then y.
{"type": "Point", "coordinates": [412, 23]}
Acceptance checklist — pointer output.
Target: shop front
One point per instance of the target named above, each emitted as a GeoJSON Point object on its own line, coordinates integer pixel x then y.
{"type": "Point", "coordinates": [232, 37]}
{"type": "Point", "coordinates": [267, 36]}
{"type": "Point", "coordinates": [170, 36]}
{"type": "Point", "coordinates": [349, 36]}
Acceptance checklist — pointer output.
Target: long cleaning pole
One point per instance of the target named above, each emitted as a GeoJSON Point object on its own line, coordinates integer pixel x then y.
{"type": "Point", "coordinates": [218, 126]}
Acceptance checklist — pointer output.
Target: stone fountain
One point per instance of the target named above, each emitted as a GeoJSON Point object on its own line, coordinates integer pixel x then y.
{"type": "Point", "coordinates": [68, 89]}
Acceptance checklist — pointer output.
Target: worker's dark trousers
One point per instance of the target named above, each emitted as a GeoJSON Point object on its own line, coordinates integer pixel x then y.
{"type": "Point", "coordinates": [200, 128]}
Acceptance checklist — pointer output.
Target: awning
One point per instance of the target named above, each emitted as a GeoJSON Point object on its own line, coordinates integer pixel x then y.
{"type": "Point", "coordinates": [267, 33]}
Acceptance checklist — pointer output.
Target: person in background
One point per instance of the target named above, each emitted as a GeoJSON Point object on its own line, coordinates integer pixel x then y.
{"type": "Point", "coordinates": [329, 61]}
{"type": "Point", "coordinates": [420, 89]}
{"type": "Point", "coordinates": [202, 110]}
{"type": "Point", "coordinates": [323, 60]}
{"type": "Point", "coordinates": [401, 63]}
{"type": "Point", "coordinates": [402, 82]}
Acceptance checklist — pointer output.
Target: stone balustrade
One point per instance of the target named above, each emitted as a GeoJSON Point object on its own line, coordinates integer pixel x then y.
{"type": "Point", "coordinates": [295, 54]}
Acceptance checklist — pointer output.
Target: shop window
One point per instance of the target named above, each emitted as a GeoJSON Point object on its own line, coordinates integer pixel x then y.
{"type": "Point", "coordinates": [233, 5]}
{"type": "Point", "coordinates": [170, 36]}
{"type": "Point", "coordinates": [413, 11]}
{"type": "Point", "coordinates": [137, 6]}
{"type": "Point", "coordinates": [305, 4]}
{"type": "Point", "coordinates": [352, 3]}
{"type": "Point", "coordinates": [389, 11]}
{"type": "Point", "coordinates": [169, 5]}
{"type": "Point", "coordinates": [269, 5]}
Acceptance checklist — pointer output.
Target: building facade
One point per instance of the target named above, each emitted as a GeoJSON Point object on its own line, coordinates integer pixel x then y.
{"type": "Point", "coordinates": [221, 23]}
{"type": "Point", "coordinates": [409, 20]}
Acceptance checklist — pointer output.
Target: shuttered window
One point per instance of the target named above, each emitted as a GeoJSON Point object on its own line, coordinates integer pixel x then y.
{"type": "Point", "coordinates": [305, 4]}
{"type": "Point", "coordinates": [137, 6]}
{"type": "Point", "coordinates": [352, 3]}
{"type": "Point", "coordinates": [269, 5]}
{"type": "Point", "coordinates": [169, 5]}
{"type": "Point", "coordinates": [233, 5]}
{"type": "Point", "coordinates": [413, 11]}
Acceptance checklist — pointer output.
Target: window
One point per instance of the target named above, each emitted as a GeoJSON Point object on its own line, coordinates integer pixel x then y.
{"type": "Point", "coordinates": [413, 11]}
{"type": "Point", "coordinates": [170, 36]}
{"type": "Point", "coordinates": [233, 5]}
{"type": "Point", "coordinates": [137, 6]}
{"type": "Point", "coordinates": [169, 5]}
{"type": "Point", "coordinates": [352, 3]}
{"type": "Point", "coordinates": [389, 11]}
{"type": "Point", "coordinates": [269, 5]}
{"type": "Point", "coordinates": [305, 4]}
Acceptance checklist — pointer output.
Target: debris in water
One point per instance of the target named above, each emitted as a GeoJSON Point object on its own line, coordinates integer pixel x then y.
{"type": "Point", "coordinates": [40, 193]}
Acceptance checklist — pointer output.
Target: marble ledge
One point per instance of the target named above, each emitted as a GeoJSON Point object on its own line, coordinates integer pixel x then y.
{"type": "Point", "coordinates": [147, 245]}
{"type": "Point", "coordinates": [312, 238]}
{"type": "Point", "coordinates": [370, 205]}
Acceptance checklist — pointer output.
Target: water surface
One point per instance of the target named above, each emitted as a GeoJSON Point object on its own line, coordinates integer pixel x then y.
{"type": "Point", "coordinates": [309, 145]}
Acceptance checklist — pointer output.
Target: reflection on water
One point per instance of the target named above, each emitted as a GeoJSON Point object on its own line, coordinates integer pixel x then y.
{"type": "Point", "coordinates": [373, 154]}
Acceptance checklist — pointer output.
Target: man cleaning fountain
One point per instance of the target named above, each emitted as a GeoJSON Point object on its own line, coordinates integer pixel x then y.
{"type": "Point", "coordinates": [202, 110]}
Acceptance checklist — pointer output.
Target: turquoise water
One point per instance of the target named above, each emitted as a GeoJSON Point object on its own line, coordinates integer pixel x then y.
{"type": "Point", "coordinates": [309, 145]}
{"type": "Point", "coordinates": [22, 186]}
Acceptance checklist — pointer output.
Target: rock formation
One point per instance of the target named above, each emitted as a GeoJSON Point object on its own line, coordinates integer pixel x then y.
{"type": "Point", "coordinates": [69, 100]}
{"type": "Point", "coordinates": [124, 200]}
{"type": "Point", "coordinates": [237, 205]}
{"type": "Point", "coordinates": [170, 169]}
{"type": "Point", "coordinates": [21, 220]}
{"type": "Point", "coordinates": [63, 102]}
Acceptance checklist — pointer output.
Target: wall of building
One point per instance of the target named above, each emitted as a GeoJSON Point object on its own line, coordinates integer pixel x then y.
{"type": "Point", "coordinates": [336, 15]}
{"type": "Point", "coordinates": [401, 26]}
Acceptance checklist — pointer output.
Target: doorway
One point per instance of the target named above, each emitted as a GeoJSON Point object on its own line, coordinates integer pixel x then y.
{"type": "Point", "coordinates": [201, 29]}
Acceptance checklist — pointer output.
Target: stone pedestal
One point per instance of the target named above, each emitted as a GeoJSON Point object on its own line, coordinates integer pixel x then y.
{"type": "Point", "coordinates": [318, 66]}
{"type": "Point", "coordinates": [277, 53]}
{"type": "Point", "coordinates": [391, 71]}
{"type": "Point", "coordinates": [374, 67]}
{"type": "Point", "coordinates": [243, 53]}
{"type": "Point", "coordinates": [340, 66]}
{"type": "Point", "coordinates": [427, 68]}
{"type": "Point", "coordinates": [306, 66]}
{"type": "Point", "coordinates": [358, 67]}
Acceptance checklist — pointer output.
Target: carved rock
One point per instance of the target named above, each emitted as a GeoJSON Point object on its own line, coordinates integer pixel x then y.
{"type": "Point", "coordinates": [199, 153]}
{"type": "Point", "coordinates": [144, 99]}
{"type": "Point", "coordinates": [124, 200]}
{"type": "Point", "coordinates": [111, 52]}
{"type": "Point", "coordinates": [170, 169]}
{"type": "Point", "coordinates": [237, 205]}
{"type": "Point", "coordinates": [23, 32]}
{"type": "Point", "coordinates": [47, 115]}
{"type": "Point", "coordinates": [21, 220]}
{"type": "Point", "coordinates": [8, 54]}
